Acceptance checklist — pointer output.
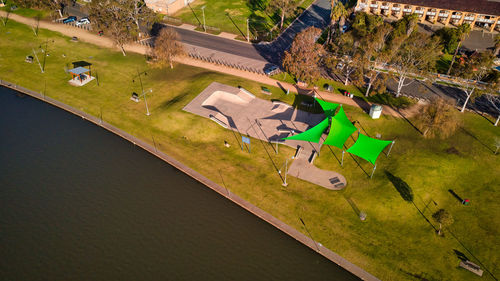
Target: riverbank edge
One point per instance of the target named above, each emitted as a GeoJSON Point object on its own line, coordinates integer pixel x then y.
{"type": "Point", "coordinates": [290, 231]}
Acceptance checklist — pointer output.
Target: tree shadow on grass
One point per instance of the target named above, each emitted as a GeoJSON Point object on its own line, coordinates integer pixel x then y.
{"type": "Point", "coordinates": [406, 193]}
{"type": "Point", "coordinates": [401, 186]}
{"type": "Point", "coordinates": [475, 138]}
{"type": "Point", "coordinates": [173, 101]}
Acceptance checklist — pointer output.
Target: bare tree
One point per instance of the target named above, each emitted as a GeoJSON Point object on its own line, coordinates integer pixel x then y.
{"type": "Point", "coordinates": [284, 7]}
{"type": "Point", "coordinates": [167, 46]}
{"type": "Point", "coordinates": [303, 57]}
{"type": "Point", "coordinates": [438, 118]}
{"type": "Point", "coordinates": [416, 56]}
{"type": "Point", "coordinates": [474, 70]}
{"type": "Point", "coordinates": [495, 102]}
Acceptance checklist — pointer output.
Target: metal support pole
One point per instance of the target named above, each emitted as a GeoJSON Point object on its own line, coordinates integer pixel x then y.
{"type": "Point", "coordinates": [342, 164]}
{"type": "Point", "coordinates": [389, 152]}
{"type": "Point", "coordinates": [248, 32]}
{"type": "Point", "coordinates": [286, 171]}
{"type": "Point", "coordinates": [204, 25]}
{"type": "Point", "coordinates": [373, 171]}
{"type": "Point", "coordinates": [276, 147]}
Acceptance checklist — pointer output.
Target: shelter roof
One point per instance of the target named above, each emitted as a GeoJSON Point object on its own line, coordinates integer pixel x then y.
{"type": "Point", "coordinates": [79, 70]}
{"type": "Point", "coordinates": [341, 129]}
{"type": "Point", "coordinates": [368, 148]}
{"type": "Point", "coordinates": [328, 107]}
{"type": "Point", "coordinates": [313, 134]}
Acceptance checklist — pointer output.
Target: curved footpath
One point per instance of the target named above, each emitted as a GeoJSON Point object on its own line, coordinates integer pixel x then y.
{"type": "Point", "coordinates": [316, 246]}
{"type": "Point", "coordinates": [91, 37]}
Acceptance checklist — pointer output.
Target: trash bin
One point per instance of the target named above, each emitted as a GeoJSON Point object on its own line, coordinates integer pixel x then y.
{"type": "Point", "coordinates": [375, 111]}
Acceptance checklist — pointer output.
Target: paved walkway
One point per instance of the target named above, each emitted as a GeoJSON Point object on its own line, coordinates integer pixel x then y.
{"type": "Point", "coordinates": [93, 38]}
{"type": "Point", "coordinates": [303, 169]}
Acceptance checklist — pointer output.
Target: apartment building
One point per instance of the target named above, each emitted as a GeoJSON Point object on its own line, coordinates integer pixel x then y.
{"type": "Point", "coordinates": [480, 14]}
{"type": "Point", "coordinates": [167, 7]}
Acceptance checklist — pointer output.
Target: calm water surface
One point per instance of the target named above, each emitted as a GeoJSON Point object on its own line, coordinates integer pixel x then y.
{"type": "Point", "coordinates": [79, 203]}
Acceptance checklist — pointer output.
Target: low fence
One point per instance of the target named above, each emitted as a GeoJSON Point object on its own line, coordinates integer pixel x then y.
{"type": "Point", "coordinates": [149, 42]}
{"type": "Point", "coordinates": [73, 23]}
{"type": "Point", "coordinates": [153, 149]}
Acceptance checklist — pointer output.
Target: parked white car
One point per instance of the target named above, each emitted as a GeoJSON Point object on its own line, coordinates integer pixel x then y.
{"type": "Point", "coordinates": [82, 21]}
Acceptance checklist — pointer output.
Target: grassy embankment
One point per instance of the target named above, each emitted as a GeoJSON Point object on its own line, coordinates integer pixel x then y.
{"type": "Point", "coordinates": [394, 243]}
{"type": "Point", "coordinates": [231, 16]}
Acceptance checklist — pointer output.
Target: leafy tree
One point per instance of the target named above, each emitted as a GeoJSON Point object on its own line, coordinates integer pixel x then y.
{"type": "Point", "coordinates": [344, 51]}
{"type": "Point", "coordinates": [438, 119]}
{"type": "Point", "coordinates": [449, 38]}
{"type": "Point", "coordinates": [416, 56]}
{"type": "Point", "coordinates": [443, 218]}
{"type": "Point", "coordinates": [364, 24]}
{"type": "Point", "coordinates": [120, 19]}
{"type": "Point", "coordinates": [284, 7]}
{"type": "Point", "coordinates": [402, 29]}
{"type": "Point", "coordinates": [167, 46]}
{"type": "Point", "coordinates": [497, 45]}
{"type": "Point", "coordinates": [462, 31]}
{"type": "Point", "coordinates": [337, 17]}
{"type": "Point", "coordinates": [373, 46]}
{"type": "Point", "coordinates": [474, 70]}
{"type": "Point", "coordinates": [303, 57]}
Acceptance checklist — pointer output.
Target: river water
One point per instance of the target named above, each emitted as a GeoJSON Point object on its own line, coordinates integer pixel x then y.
{"type": "Point", "coordinates": [79, 203]}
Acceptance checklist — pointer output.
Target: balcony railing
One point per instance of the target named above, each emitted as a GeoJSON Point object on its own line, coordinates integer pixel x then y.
{"type": "Point", "coordinates": [419, 11]}
{"type": "Point", "coordinates": [373, 6]}
{"type": "Point", "coordinates": [443, 15]}
{"type": "Point", "coordinates": [396, 8]}
{"type": "Point", "coordinates": [469, 18]}
{"type": "Point", "coordinates": [407, 10]}
{"type": "Point", "coordinates": [431, 13]}
{"type": "Point", "coordinates": [456, 16]}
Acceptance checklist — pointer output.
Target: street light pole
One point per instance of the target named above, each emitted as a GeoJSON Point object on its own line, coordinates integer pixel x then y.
{"type": "Point", "coordinates": [146, 101]}
{"type": "Point", "coordinates": [286, 170]}
{"type": "Point", "coordinates": [204, 25]}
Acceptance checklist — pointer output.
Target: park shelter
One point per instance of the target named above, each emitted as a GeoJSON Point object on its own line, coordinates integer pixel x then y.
{"type": "Point", "coordinates": [80, 76]}
{"type": "Point", "coordinates": [368, 148]}
{"type": "Point", "coordinates": [313, 134]}
{"type": "Point", "coordinates": [340, 130]}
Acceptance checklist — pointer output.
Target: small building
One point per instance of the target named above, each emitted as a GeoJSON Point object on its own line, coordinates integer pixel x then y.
{"type": "Point", "coordinates": [167, 7]}
{"type": "Point", "coordinates": [480, 14]}
{"type": "Point", "coordinates": [80, 76]}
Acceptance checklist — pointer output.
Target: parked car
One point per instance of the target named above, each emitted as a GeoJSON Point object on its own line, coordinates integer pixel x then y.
{"type": "Point", "coordinates": [271, 69]}
{"type": "Point", "coordinates": [340, 65]}
{"type": "Point", "coordinates": [83, 21]}
{"type": "Point", "coordinates": [69, 19]}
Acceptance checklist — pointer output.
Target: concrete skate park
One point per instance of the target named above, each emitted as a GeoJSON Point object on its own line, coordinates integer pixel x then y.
{"type": "Point", "coordinates": [271, 121]}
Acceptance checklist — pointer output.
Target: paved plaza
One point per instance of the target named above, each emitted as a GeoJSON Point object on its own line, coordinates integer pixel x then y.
{"type": "Point", "coordinates": [239, 110]}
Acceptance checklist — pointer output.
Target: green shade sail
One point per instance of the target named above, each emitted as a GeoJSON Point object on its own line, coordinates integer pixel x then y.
{"type": "Point", "coordinates": [328, 107]}
{"type": "Point", "coordinates": [368, 148]}
{"type": "Point", "coordinates": [313, 134]}
{"type": "Point", "coordinates": [341, 129]}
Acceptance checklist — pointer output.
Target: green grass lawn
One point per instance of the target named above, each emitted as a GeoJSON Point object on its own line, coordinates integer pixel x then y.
{"type": "Point", "coordinates": [231, 16]}
{"type": "Point", "coordinates": [25, 12]}
{"type": "Point", "coordinates": [443, 63]}
{"type": "Point", "coordinates": [394, 243]}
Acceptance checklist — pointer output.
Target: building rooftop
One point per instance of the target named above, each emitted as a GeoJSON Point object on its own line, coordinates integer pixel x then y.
{"type": "Point", "coordinates": [487, 7]}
